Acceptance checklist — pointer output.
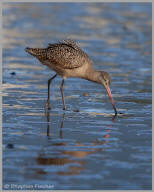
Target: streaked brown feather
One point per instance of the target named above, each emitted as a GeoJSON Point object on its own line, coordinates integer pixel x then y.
{"type": "Point", "coordinates": [64, 55]}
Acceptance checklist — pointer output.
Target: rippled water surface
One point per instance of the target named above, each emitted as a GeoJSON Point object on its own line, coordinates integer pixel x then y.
{"type": "Point", "coordinates": [87, 149]}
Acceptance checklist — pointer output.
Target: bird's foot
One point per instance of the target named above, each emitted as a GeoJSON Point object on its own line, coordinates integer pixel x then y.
{"type": "Point", "coordinates": [64, 108]}
{"type": "Point", "coordinates": [47, 106]}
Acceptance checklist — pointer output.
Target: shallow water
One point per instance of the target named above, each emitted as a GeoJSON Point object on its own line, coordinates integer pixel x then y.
{"type": "Point", "coordinates": [86, 149]}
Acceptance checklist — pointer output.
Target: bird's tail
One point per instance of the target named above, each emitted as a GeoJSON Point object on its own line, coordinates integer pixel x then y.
{"type": "Point", "coordinates": [39, 53]}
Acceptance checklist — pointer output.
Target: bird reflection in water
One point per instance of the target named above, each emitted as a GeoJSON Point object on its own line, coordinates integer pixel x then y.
{"type": "Point", "coordinates": [47, 114]}
{"type": "Point", "coordinates": [113, 118]}
{"type": "Point", "coordinates": [76, 158]}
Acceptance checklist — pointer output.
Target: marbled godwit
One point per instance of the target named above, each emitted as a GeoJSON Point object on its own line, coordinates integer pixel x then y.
{"type": "Point", "coordinates": [68, 60]}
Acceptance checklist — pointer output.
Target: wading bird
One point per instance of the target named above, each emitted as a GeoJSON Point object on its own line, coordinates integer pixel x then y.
{"type": "Point", "coordinates": [67, 59]}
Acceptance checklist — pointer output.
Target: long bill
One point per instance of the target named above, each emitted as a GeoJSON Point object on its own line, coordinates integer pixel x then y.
{"type": "Point", "coordinates": [110, 95]}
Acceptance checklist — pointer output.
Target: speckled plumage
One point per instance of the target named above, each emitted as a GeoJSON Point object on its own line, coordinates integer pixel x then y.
{"type": "Point", "coordinates": [67, 59]}
{"type": "Point", "coordinates": [62, 57]}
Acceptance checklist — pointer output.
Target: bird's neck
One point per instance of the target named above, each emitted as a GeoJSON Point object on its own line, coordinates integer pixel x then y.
{"type": "Point", "coordinates": [93, 75]}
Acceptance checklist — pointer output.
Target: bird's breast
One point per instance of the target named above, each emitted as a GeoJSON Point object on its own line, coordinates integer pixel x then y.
{"type": "Point", "coordinates": [80, 72]}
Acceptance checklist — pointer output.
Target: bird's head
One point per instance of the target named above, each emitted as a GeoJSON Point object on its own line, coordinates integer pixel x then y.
{"type": "Point", "coordinates": [104, 79]}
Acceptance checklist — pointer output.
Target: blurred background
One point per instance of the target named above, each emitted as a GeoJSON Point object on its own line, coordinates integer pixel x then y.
{"type": "Point", "coordinates": [83, 148]}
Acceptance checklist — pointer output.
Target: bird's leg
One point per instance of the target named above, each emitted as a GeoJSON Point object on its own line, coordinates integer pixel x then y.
{"type": "Point", "coordinates": [47, 105]}
{"type": "Point", "coordinates": [62, 93]}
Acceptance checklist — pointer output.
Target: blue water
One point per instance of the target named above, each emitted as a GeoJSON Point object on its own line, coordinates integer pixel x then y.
{"type": "Point", "coordinates": [88, 149]}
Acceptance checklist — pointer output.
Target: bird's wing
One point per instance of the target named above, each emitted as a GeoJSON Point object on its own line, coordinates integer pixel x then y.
{"type": "Point", "coordinates": [68, 42]}
{"type": "Point", "coordinates": [67, 55]}
{"type": "Point", "coordinates": [71, 43]}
